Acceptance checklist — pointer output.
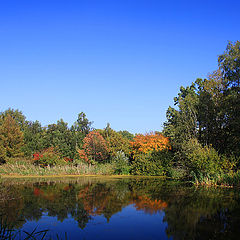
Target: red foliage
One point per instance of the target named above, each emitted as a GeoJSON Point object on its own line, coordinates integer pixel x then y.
{"type": "Point", "coordinates": [37, 156]}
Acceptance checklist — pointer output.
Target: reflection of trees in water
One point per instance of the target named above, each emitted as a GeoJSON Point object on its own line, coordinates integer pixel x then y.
{"type": "Point", "coordinates": [225, 224]}
{"type": "Point", "coordinates": [148, 205]}
{"type": "Point", "coordinates": [191, 213]}
{"type": "Point", "coordinates": [11, 206]}
{"type": "Point", "coordinates": [189, 210]}
{"type": "Point", "coordinates": [103, 199]}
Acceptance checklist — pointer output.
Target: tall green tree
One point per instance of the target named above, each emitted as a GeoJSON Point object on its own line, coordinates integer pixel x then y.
{"type": "Point", "coordinates": [80, 129]}
{"type": "Point", "coordinates": [229, 63]}
{"type": "Point", "coordinates": [33, 138]}
{"type": "Point", "coordinates": [182, 123]}
{"type": "Point", "coordinates": [211, 115]}
{"type": "Point", "coordinates": [61, 137]}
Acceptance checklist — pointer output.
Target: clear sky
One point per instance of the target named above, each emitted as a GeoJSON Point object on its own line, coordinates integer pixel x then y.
{"type": "Point", "coordinates": [119, 61]}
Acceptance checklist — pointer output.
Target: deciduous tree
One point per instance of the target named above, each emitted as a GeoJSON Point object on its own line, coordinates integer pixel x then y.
{"type": "Point", "coordinates": [146, 143]}
{"type": "Point", "coordinates": [95, 148]}
{"type": "Point", "coordinates": [11, 138]}
{"type": "Point", "coordinates": [116, 141]}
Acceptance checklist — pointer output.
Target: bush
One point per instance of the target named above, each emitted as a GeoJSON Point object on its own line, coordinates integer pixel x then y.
{"type": "Point", "coordinates": [230, 179]}
{"type": "Point", "coordinates": [47, 157]}
{"type": "Point", "coordinates": [164, 159]}
{"type": "Point", "coordinates": [229, 163]}
{"type": "Point", "coordinates": [121, 163]}
{"type": "Point", "coordinates": [202, 162]}
{"type": "Point", "coordinates": [156, 163]}
{"type": "Point", "coordinates": [177, 172]}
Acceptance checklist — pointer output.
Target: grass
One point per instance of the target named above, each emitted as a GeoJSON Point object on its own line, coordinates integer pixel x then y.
{"type": "Point", "coordinates": [229, 180]}
{"type": "Point", "coordinates": [8, 232]}
{"type": "Point", "coordinates": [26, 168]}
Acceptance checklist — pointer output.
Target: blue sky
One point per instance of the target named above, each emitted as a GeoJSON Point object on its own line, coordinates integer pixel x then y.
{"type": "Point", "coordinates": [119, 61]}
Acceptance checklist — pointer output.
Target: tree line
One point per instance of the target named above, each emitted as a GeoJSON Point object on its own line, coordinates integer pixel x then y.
{"type": "Point", "coordinates": [58, 144]}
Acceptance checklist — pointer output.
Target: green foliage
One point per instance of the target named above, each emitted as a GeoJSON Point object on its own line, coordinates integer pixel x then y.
{"type": "Point", "coordinates": [80, 129]}
{"type": "Point", "coordinates": [177, 172]}
{"type": "Point", "coordinates": [121, 163]}
{"type": "Point", "coordinates": [230, 179]}
{"type": "Point", "coordinates": [201, 161]}
{"type": "Point", "coordinates": [143, 164]}
{"type": "Point", "coordinates": [229, 163]}
{"type": "Point", "coordinates": [33, 138]}
{"type": "Point", "coordinates": [103, 169]}
{"type": "Point", "coordinates": [230, 64]}
{"type": "Point", "coordinates": [181, 124]}
{"type": "Point", "coordinates": [116, 142]}
{"type": "Point", "coordinates": [60, 136]}
{"type": "Point", "coordinates": [163, 158]}
{"type": "Point", "coordinates": [127, 134]}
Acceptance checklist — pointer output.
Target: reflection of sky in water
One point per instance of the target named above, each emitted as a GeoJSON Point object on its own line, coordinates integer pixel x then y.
{"type": "Point", "coordinates": [127, 224]}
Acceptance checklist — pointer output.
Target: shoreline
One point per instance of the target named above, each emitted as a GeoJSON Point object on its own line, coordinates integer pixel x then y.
{"type": "Point", "coordinates": [16, 176]}
{"type": "Point", "coordinates": [77, 175]}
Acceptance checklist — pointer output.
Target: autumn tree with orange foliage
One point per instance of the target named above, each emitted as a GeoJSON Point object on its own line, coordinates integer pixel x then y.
{"type": "Point", "coordinates": [95, 148]}
{"type": "Point", "coordinates": [146, 143]}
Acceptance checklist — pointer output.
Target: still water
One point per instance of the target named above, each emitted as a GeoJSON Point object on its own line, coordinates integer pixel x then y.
{"type": "Point", "coordinates": [120, 208]}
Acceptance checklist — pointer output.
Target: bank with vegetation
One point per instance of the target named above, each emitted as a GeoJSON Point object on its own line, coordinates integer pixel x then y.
{"type": "Point", "coordinates": [200, 141]}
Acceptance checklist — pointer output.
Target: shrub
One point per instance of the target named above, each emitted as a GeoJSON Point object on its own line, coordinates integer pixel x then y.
{"type": "Point", "coordinates": [142, 165]}
{"type": "Point", "coordinates": [164, 159]}
{"type": "Point", "coordinates": [47, 157]}
{"type": "Point", "coordinates": [230, 179]}
{"type": "Point", "coordinates": [155, 163]}
{"type": "Point", "coordinates": [202, 162]}
{"type": "Point", "coordinates": [229, 163]}
{"type": "Point", "coordinates": [177, 172]}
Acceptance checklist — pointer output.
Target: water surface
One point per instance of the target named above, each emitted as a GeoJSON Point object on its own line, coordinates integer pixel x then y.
{"type": "Point", "coordinates": [120, 208]}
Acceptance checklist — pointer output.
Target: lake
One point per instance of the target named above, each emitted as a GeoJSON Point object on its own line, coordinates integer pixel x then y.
{"type": "Point", "coordinates": [119, 208]}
